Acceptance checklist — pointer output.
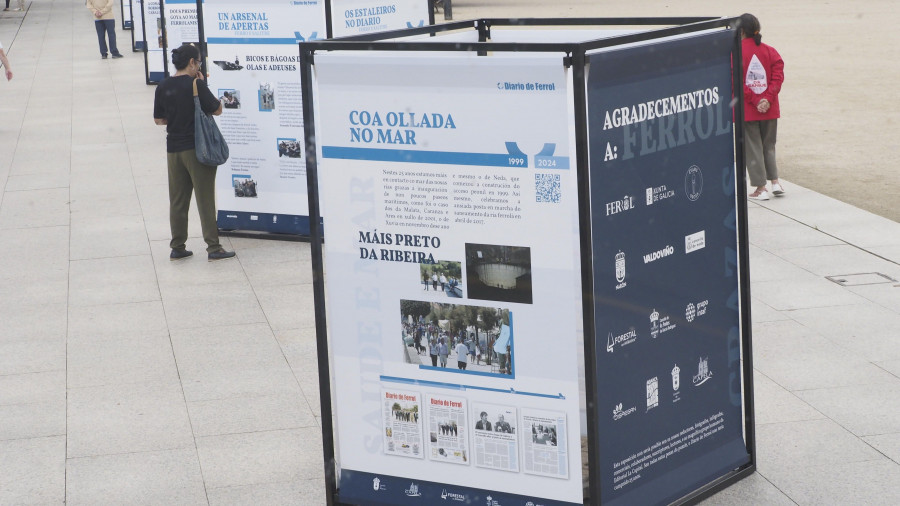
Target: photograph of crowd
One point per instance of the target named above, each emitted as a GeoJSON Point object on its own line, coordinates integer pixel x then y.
{"type": "Point", "coordinates": [266, 97]}
{"type": "Point", "coordinates": [543, 434]}
{"type": "Point", "coordinates": [243, 186]}
{"type": "Point", "coordinates": [500, 273]}
{"type": "Point", "coordinates": [457, 338]}
{"type": "Point", "coordinates": [290, 148]}
{"type": "Point", "coordinates": [443, 277]}
{"type": "Point", "coordinates": [231, 99]}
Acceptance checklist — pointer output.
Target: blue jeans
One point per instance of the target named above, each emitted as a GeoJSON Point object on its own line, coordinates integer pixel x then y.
{"type": "Point", "coordinates": [108, 26]}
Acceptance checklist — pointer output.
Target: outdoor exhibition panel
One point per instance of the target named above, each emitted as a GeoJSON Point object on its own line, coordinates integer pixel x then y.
{"type": "Point", "coordinates": [137, 27]}
{"type": "Point", "coordinates": [359, 17]}
{"type": "Point", "coordinates": [156, 63]}
{"type": "Point", "coordinates": [252, 60]}
{"type": "Point", "coordinates": [179, 26]}
{"type": "Point", "coordinates": [509, 304]}
{"type": "Point", "coordinates": [125, 9]}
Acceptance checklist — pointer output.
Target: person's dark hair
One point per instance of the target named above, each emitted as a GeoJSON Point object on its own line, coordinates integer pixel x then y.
{"type": "Point", "coordinates": [750, 27]}
{"type": "Point", "coordinates": [181, 56]}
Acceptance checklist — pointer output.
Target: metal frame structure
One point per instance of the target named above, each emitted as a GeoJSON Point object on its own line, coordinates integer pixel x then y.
{"type": "Point", "coordinates": [575, 56]}
{"type": "Point", "coordinates": [146, 49]}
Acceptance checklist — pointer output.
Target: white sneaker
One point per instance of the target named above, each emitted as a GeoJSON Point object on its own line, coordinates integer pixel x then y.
{"type": "Point", "coordinates": [777, 190]}
{"type": "Point", "coordinates": [759, 195]}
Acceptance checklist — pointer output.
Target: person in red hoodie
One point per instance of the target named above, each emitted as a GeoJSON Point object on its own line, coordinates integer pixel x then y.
{"type": "Point", "coordinates": [763, 76]}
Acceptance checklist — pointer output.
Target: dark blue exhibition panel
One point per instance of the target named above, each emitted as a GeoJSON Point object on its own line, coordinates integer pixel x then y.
{"type": "Point", "coordinates": [666, 292]}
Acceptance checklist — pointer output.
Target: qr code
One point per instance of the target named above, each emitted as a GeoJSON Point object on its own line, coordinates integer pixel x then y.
{"type": "Point", "coordinates": [546, 188]}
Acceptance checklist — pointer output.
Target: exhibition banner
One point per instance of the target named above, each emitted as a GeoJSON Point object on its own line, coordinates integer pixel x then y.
{"type": "Point", "coordinates": [454, 294]}
{"type": "Point", "coordinates": [125, 9]}
{"type": "Point", "coordinates": [359, 17]}
{"type": "Point", "coordinates": [138, 42]}
{"type": "Point", "coordinates": [253, 62]}
{"type": "Point", "coordinates": [666, 288]}
{"type": "Point", "coordinates": [180, 20]}
{"type": "Point", "coordinates": [155, 60]}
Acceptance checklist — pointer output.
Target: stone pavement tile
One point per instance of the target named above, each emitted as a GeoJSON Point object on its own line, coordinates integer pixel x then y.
{"type": "Point", "coordinates": [35, 208]}
{"type": "Point", "coordinates": [866, 329]}
{"type": "Point", "coordinates": [260, 274]}
{"type": "Point", "coordinates": [891, 366]}
{"type": "Point", "coordinates": [23, 355]}
{"type": "Point", "coordinates": [839, 260]}
{"type": "Point", "coordinates": [125, 418]}
{"type": "Point", "coordinates": [171, 477]}
{"type": "Point", "coordinates": [785, 234]}
{"type": "Point", "coordinates": [888, 444]}
{"type": "Point", "coordinates": [287, 306]}
{"type": "Point", "coordinates": [33, 284]}
{"type": "Point", "coordinates": [37, 181]}
{"type": "Point", "coordinates": [39, 248]}
{"type": "Point", "coordinates": [108, 160]}
{"type": "Point", "coordinates": [113, 320]}
{"type": "Point", "coordinates": [891, 253]}
{"type": "Point", "coordinates": [299, 492]}
{"type": "Point", "coordinates": [299, 347]}
{"type": "Point", "coordinates": [775, 404]}
{"type": "Point", "coordinates": [121, 359]}
{"type": "Point", "coordinates": [797, 358]}
{"type": "Point", "coordinates": [29, 388]}
{"type": "Point", "coordinates": [885, 295]}
{"type": "Point", "coordinates": [753, 490]}
{"type": "Point", "coordinates": [261, 457]}
{"type": "Point", "coordinates": [102, 237]}
{"type": "Point", "coordinates": [250, 414]}
{"type": "Point", "coordinates": [33, 471]}
{"type": "Point", "coordinates": [803, 292]}
{"type": "Point", "coordinates": [765, 266]}
{"type": "Point", "coordinates": [106, 204]}
{"type": "Point", "coordinates": [864, 410]}
{"type": "Point", "coordinates": [784, 447]}
{"type": "Point", "coordinates": [24, 322]}
{"type": "Point", "coordinates": [207, 306]}
{"type": "Point", "coordinates": [38, 419]}
{"type": "Point", "coordinates": [38, 158]}
{"type": "Point", "coordinates": [112, 280]}
{"type": "Point", "coordinates": [264, 253]}
{"type": "Point", "coordinates": [175, 276]}
{"type": "Point", "coordinates": [872, 482]}
{"type": "Point", "coordinates": [761, 312]}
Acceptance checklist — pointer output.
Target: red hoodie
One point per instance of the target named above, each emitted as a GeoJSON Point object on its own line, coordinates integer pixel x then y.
{"type": "Point", "coordinates": [763, 75]}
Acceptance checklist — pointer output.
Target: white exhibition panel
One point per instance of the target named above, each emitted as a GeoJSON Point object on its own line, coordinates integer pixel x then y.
{"type": "Point", "coordinates": [253, 62]}
{"type": "Point", "coordinates": [529, 35]}
{"type": "Point", "coordinates": [406, 180]}
{"type": "Point", "coordinates": [360, 17]}
{"type": "Point", "coordinates": [181, 25]}
{"type": "Point", "coordinates": [153, 34]}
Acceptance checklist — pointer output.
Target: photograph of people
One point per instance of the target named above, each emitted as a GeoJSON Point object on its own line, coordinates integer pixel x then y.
{"type": "Point", "coordinates": [503, 426]}
{"type": "Point", "coordinates": [483, 423]}
{"type": "Point", "coordinates": [442, 278]}
{"type": "Point", "coordinates": [231, 99]}
{"type": "Point", "coordinates": [266, 97]}
{"type": "Point", "coordinates": [470, 338]}
{"type": "Point", "coordinates": [289, 148]}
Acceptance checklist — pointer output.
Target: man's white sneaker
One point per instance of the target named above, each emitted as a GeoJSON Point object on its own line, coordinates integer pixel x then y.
{"type": "Point", "coordinates": [759, 195]}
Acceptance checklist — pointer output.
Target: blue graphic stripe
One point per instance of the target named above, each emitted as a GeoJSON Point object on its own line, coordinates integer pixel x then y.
{"type": "Point", "coordinates": [260, 40]}
{"type": "Point", "coordinates": [437, 157]}
{"type": "Point", "coordinates": [457, 386]}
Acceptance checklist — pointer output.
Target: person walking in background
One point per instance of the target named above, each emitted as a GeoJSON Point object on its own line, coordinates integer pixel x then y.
{"type": "Point", "coordinates": [20, 3]}
{"type": "Point", "coordinates": [105, 23]}
{"type": "Point", "coordinates": [5, 62]}
{"type": "Point", "coordinates": [763, 76]}
{"type": "Point", "coordinates": [174, 107]}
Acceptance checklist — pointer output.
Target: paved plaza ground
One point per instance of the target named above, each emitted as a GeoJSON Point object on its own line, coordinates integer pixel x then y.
{"type": "Point", "coordinates": [129, 379]}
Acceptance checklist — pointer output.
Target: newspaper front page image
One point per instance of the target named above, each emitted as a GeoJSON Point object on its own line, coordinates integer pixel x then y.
{"type": "Point", "coordinates": [402, 423]}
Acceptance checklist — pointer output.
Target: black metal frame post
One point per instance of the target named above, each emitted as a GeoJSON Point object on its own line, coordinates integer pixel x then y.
{"type": "Point", "coordinates": [201, 34]}
{"type": "Point", "coordinates": [576, 56]}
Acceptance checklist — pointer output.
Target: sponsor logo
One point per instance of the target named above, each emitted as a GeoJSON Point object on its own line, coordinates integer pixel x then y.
{"type": "Point", "coordinates": [656, 255]}
{"type": "Point", "coordinates": [620, 340]}
{"type": "Point", "coordinates": [619, 412]}
{"type": "Point", "coordinates": [676, 383]}
{"type": "Point", "coordinates": [413, 490]}
{"type": "Point", "coordinates": [660, 324]}
{"type": "Point", "coordinates": [620, 270]}
{"type": "Point", "coordinates": [695, 311]}
{"type": "Point", "coordinates": [695, 241]}
{"type": "Point", "coordinates": [453, 496]}
{"type": "Point", "coordinates": [693, 183]}
{"type": "Point", "coordinates": [652, 393]}
{"type": "Point", "coordinates": [703, 372]}
{"type": "Point", "coordinates": [619, 206]}
{"type": "Point", "coordinates": [656, 193]}
{"type": "Point", "coordinates": [376, 484]}
{"type": "Point", "coordinates": [492, 502]}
